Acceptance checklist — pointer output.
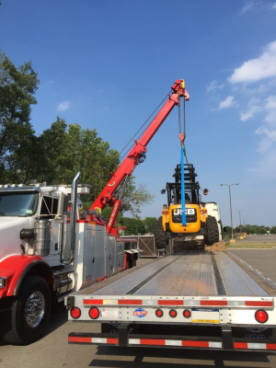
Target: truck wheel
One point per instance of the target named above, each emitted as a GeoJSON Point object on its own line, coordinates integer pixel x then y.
{"type": "Point", "coordinates": [211, 231]}
{"type": "Point", "coordinates": [161, 238]}
{"type": "Point", "coordinates": [30, 312]}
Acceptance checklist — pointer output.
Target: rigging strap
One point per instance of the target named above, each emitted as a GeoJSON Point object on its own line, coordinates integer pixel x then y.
{"type": "Point", "coordinates": [183, 188]}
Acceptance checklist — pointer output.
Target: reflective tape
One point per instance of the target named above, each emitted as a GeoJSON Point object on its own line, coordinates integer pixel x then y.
{"type": "Point", "coordinates": [170, 302]}
{"type": "Point", "coordinates": [188, 302]}
{"type": "Point", "coordinates": [79, 339]}
{"type": "Point", "coordinates": [254, 346]}
{"type": "Point", "coordinates": [93, 340]}
{"type": "Point", "coordinates": [256, 303]}
{"type": "Point", "coordinates": [170, 342]}
{"type": "Point", "coordinates": [130, 302]}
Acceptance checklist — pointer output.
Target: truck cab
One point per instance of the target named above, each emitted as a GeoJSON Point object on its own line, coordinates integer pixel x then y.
{"type": "Point", "coordinates": [48, 250]}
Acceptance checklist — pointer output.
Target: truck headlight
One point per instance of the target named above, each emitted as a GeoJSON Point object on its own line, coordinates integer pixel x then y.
{"type": "Point", "coordinates": [2, 282]}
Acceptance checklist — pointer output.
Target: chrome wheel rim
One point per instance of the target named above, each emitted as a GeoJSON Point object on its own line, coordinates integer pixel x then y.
{"type": "Point", "coordinates": [34, 309]}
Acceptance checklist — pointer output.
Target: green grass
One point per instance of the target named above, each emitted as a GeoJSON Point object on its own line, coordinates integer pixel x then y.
{"type": "Point", "coordinates": [240, 244]}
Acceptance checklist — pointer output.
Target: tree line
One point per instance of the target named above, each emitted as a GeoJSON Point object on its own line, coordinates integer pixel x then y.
{"type": "Point", "coordinates": [251, 229]}
{"type": "Point", "coordinates": [60, 151]}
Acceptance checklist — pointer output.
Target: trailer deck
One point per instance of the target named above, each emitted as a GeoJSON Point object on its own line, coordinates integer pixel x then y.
{"type": "Point", "coordinates": [193, 300]}
{"type": "Point", "coordinates": [193, 273]}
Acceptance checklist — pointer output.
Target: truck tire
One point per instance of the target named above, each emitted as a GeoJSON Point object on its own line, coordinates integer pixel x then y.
{"type": "Point", "coordinates": [30, 312]}
{"type": "Point", "coordinates": [161, 238]}
{"type": "Point", "coordinates": [131, 260]}
{"type": "Point", "coordinates": [211, 231]}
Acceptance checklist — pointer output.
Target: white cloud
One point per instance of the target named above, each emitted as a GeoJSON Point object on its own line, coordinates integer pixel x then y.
{"type": "Point", "coordinates": [257, 69]}
{"type": "Point", "coordinates": [265, 167]}
{"type": "Point", "coordinates": [214, 85]}
{"type": "Point", "coordinates": [269, 138]}
{"type": "Point", "coordinates": [226, 103]}
{"type": "Point", "coordinates": [247, 7]}
{"type": "Point", "coordinates": [270, 103]}
{"type": "Point", "coordinates": [268, 131]}
{"type": "Point", "coordinates": [63, 106]}
{"type": "Point", "coordinates": [274, 6]}
{"type": "Point", "coordinates": [270, 108]}
{"type": "Point", "coordinates": [253, 108]}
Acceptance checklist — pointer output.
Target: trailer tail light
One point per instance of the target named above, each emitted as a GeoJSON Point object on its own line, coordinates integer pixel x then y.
{"type": "Point", "coordinates": [173, 313]}
{"type": "Point", "coordinates": [94, 313]}
{"type": "Point", "coordinates": [187, 313]}
{"type": "Point", "coordinates": [261, 316]}
{"type": "Point", "coordinates": [75, 312]}
{"type": "Point", "coordinates": [159, 313]}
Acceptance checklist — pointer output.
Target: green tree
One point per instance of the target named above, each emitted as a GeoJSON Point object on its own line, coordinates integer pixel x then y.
{"type": "Point", "coordinates": [133, 225]}
{"type": "Point", "coordinates": [69, 149]}
{"type": "Point", "coordinates": [54, 153]}
{"type": "Point", "coordinates": [134, 198]}
{"type": "Point", "coordinates": [150, 223]}
{"type": "Point", "coordinates": [18, 144]}
{"type": "Point", "coordinates": [60, 151]}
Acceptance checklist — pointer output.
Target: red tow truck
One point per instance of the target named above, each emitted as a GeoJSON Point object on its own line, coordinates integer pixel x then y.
{"type": "Point", "coordinates": [44, 256]}
{"type": "Point", "coordinates": [194, 300]}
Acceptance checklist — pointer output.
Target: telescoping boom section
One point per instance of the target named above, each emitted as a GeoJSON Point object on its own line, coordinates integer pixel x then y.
{"type": "Point", "coordinates": [136, 155]}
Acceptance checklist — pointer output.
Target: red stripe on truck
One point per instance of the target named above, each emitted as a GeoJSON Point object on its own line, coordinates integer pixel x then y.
{"type": "Point", "coordinates": [255, 303]}
{"type": "Point", "coordinates": [110, 340]}
{"type": "Point", "coordinates": [271, 346]}
{"type": "Point", "coordinates": [93, 301]}
{"type": "Point", "coordinates": [240, 345]}
{"type": "Point", "coordinates": [170, 302]}
{"type": "Point", "coordinates": [199, 344]}
{"type": "Point", "coordinates": [79, 339]}
{"type": "Point", "coordinates": [213, 302]}
{"type": "Point", "coordinates": [152, 342]}
{"type": "Point", "coordinates": [130, 302]}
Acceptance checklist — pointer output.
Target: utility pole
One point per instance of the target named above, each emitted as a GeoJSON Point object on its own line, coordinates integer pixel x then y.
{"type": "Point", "coordinates": [230, 202]}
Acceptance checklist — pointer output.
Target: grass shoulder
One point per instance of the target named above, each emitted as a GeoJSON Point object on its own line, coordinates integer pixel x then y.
{"type": "Point", "coordinates": [245, 244]}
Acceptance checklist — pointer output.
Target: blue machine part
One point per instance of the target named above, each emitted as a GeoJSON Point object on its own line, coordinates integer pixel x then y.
{"type": "Point", "coordinates": [183, 188]}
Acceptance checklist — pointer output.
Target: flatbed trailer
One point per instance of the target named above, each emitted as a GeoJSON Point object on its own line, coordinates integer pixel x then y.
{"type": "Point", "coordinates": [197, 300]}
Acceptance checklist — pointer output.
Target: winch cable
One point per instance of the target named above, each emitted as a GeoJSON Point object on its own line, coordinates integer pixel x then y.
{"type": "Point", "coordinates": [125, 148]}
{"type": "Point", "coordinates": [183, 154]}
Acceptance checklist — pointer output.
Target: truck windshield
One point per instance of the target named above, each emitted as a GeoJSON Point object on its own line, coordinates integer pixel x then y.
{"type": "Point", "coordinates": [18, 204]}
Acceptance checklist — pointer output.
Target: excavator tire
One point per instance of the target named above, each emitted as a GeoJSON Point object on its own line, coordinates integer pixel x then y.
{"type": "Point", "coordinates": [161, 238]}
{"type": "Point", "coordinates": [211, 231]}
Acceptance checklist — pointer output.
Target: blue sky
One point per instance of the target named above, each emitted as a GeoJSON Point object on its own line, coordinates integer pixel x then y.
{"type": "Point", "coordinates": [107, 64]}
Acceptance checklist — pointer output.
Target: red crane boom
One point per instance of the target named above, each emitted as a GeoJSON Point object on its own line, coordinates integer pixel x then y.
{"type": "Point", "coordinates": [136, 155]}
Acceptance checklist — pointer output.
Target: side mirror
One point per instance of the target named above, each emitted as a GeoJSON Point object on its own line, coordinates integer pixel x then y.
{"type": "Point", "coordinates": [205, 191]}
{"type": "Point", "coordinates": [163, 191]}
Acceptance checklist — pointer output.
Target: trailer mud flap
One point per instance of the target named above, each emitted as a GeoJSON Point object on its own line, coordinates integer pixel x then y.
{"type": "Point", "coordinates": [227, 338]}
{"type": "Point", "coordinates": [123, 334]}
